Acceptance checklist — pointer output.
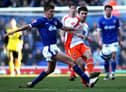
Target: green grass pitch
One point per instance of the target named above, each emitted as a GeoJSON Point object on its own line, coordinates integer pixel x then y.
{"type": "Point", "coordinates": [61, 84]}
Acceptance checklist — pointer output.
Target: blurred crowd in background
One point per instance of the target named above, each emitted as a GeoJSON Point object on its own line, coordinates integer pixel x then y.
{"type": "Point", "coordinates": [32, 46]}
{"type": "Point", "coordinates": [39, 3]}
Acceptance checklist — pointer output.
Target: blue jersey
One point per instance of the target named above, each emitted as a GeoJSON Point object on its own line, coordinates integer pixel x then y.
{"type": "Point", "coordinates": [47, 29]}
{"type": "Point", "coordinates": [109, 29]}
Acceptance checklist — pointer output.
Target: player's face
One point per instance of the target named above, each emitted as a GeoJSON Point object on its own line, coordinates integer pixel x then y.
{"type": "Point", "coordinates": [50, 13]}
{"type": "Point", "coordinates": [108, 12]}
{"type": "Point", "coordinates": [83, 15]}
{"type": "Point", "coordinates": [72, 10]}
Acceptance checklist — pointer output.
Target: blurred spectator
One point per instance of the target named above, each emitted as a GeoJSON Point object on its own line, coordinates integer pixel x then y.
{"type": "Point", "coordinates": [38, 56]}
{"type": "Point", "coordinates": [122, 58]}
{"type": "Point", "coordinates": [25, 3]}
{"type": "Point", "coordinates": [7, 3]}
{"type": "Point", "coordinates": [35, 3]}
{"type": "Point", "coordinates": [16, 3]}
{"type": "Point", "coordinates": [26, 51]}
{"type": "Point", "coordinates": [113, 3]}
{"type": "Point", "coordinates": [28, 38]}
{"type": "Point", "coordinates": [82, 3]}
{"type": "Point", "coordinates": [30, 60]}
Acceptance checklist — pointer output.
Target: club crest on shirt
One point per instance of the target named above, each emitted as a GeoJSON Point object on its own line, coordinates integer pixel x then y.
{"type": "Point", "coordinates": [74, 54]}
{"type": "Point", "coordinates": [51, 28]}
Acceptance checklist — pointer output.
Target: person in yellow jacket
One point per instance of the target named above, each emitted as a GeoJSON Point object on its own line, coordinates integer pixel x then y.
{"type": "Point", "coordinates": [14, 48]}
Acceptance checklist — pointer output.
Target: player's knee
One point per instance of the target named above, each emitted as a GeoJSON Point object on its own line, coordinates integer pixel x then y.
{"type": "Point", "coordinates": [88, 54]}
{"type": "Point", "coordinates": [49, 71]}
{"type": "Point", "coordinates": [113, 58]}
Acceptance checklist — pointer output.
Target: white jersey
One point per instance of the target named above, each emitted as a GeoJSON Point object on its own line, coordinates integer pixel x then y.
{"type": "Point", "coordinates": [73, 22]}
{"type": "Point", "coordinates": [69, 22]}
{"type": "Point", "coordinates": [77, 40]}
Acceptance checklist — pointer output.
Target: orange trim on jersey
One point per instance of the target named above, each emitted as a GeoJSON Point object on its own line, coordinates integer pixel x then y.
{"type": "Point", "coordinates": [69, 36]}
{"type": "Point", "coordinates": [66, 18]}
{"type": "Point", "coordinates": [77, 21]}
{"type": "Point", "coordinates": [68, 41]}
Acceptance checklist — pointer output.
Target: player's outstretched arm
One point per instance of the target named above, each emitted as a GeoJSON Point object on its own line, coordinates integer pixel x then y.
{"type": "Point", "coordinates": [65, 28]}
{"type": "Point", "coordinates": [25, 27]}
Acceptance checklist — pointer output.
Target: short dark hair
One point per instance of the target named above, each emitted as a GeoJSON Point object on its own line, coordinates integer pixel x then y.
{"type": "Point", "coordinates": [72, 4]}
{"type": "Point", "coordinates": [107, 6]}
{"type": "Point", "coordinates": [48, 6]}
{"type": "Point", "coordinates": [83, 8]}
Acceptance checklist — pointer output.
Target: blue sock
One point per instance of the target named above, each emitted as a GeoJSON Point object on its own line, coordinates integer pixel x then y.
{"type": "Point", "coordinates": [113, 66]}
{"type": "Point", "coordinates": [39, 78]}
{"type": "Point", "coordinates": [81, 73]}
{"type": "Point", "coordinates": [106, 66]}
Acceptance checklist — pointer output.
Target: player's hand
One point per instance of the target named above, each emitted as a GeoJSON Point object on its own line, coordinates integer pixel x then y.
{"type": "Point", "coordinates": [62, 39]}
{"type": "Point", "coordinates": [100, 43]}
{"type": "Point", "coordinates": [78, 28]}
{"type": "Point", "coordinates": [80, 35]}
{"type": "Point", "coordinates": [121, 44]}
{"type": "Point", "coordinates": [89, 39]}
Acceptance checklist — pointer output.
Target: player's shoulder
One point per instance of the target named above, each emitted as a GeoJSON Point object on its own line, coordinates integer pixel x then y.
{"type": "Point", "coordinates": [41, 19]}
{"type": "Point", "coordinates": [115, 17]}
{"type": "Point", "coordinates": [55, 18]}
{"type": "Point", "coordinates": [65, 17]}
{"type": "Point", "coordinates": [86, 24]}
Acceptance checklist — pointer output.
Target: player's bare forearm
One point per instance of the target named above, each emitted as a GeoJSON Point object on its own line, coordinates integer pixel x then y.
{"type": "Point", "coordinates": [25, 27]}
{"type": "Point", "coordinates": [89, 39]}
{"type": "Point", "coordinates": [70, 28]}
{"type": "Point", "coordinates": [119, 35]}
{"type": "Point", "coordinates": [120, 38]}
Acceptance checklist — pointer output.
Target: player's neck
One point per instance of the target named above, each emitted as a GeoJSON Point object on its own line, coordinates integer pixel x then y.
{"type": "Point", "coordinates": [108, 16]}
{"type": "Point", "coordinates": [72, 15]}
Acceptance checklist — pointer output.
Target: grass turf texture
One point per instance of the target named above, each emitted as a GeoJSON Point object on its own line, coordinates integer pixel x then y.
{"type": "Point", "coordinates": [61, 84]}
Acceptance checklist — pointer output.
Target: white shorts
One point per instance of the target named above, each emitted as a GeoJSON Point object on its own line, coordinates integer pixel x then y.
{"type": "Point", "coordinates": [50, 51]}
{"type": "Point", "coordinates": [107, 49]}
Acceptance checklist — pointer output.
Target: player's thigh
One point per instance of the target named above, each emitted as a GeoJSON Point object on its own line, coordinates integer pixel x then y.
{"type": "Point", "coordinates": [85, 51]}
{"type": "Point", "coordinates": [75, 52]}
{"type": "Point", "coordinates": [114, 48]}
{"type": "Point", "coordinates": [15, 54]}
{"type": "Point", "coordinates": [64, 58]}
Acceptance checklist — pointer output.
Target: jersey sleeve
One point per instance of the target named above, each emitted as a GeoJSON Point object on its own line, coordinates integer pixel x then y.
{"type": "Point", "coordinates": [99, 25]}
{"type": "Point", "coordinates": [37, 23]}
{"type": "Point", "coordinates": [59, 24]}
{"type": "Point", "coordinates": [118, 24]}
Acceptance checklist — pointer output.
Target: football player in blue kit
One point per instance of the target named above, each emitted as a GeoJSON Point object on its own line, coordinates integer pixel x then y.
{"type": "Point", "coordinates": [47, 27]}
{"type": "Point", "coordinates": [110, 39]}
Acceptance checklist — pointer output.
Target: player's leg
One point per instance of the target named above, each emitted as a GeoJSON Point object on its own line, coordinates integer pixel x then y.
{"type": "Point", "coordinates": [106, 55]}
{"type": "Point", "coordinates": [86, 53]}
{"type": "Point", "coordinates": [68, 60]}
{"type": "Point", "coordinates": [11, 63]}
{"type": "Point", "coordinates": [113, 66]}
{"type": "Point", "coordinates": [75, 54]}
{"type": "Point", "coordinates": [80, 62]}
{"type": "Point", "coordinates": [89, 61]}
{"type": "Point", "coordinates": [43, 74]}
{"type": "Point", "coordinates": [72, 75]}
{"type": "Point", "coordinates": [18, 58]}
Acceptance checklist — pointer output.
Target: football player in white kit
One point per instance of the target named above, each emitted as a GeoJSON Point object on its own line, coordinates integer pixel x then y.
{"type": "Point", "coordinates": [75, 45]}
{"type": "Point", "coordinates": [71, 21]}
